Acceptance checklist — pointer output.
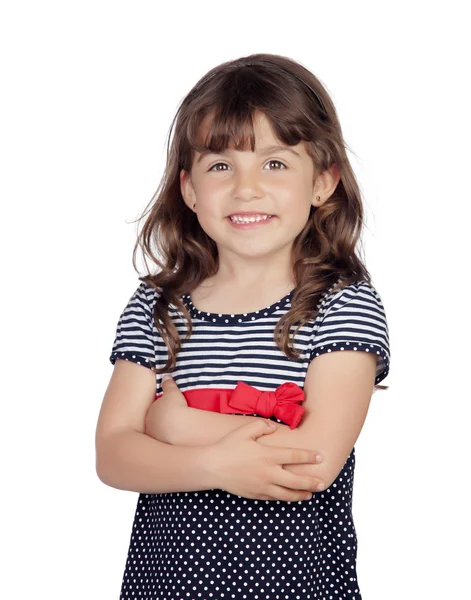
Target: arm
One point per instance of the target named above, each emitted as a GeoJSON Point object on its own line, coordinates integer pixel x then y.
{"type": "Point", "coordinates": [338, 390]}
{"type": "Point", "coordinates": [127, 458]}
{"type": "Point", "coordinates": [130, 460]}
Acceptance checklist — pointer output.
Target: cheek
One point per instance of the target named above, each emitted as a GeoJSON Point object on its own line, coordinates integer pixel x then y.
{"type": "Point", "coordinates": [290, 199]}
{"type": "Point", "coordinates": [206, 192]}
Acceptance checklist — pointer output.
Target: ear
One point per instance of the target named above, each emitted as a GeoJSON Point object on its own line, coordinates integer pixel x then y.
{"type": "Point", "coordinates": [186, 188]}
{"type": "Point", "coordinates": [325, 185]}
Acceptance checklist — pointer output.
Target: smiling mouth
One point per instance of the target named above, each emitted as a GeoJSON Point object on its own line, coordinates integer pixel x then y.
{"type": "Point", "coordinates": [257, 219]}
{"type": "Point", "coordinates": [250, 224]}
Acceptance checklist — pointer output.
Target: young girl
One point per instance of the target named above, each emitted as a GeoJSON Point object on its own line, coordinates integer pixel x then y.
{"type": "Point", "coordinates": [263, 313]}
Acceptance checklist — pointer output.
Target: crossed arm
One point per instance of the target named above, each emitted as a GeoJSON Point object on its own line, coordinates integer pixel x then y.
{"type": "Point", "coordinates": [338, 390]}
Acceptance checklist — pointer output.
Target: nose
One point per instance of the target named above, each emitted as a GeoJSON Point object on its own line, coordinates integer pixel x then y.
{"type": "Point", "coordinates": [247, 184]}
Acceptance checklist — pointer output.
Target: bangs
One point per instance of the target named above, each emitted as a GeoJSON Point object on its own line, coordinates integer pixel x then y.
{"type": "Point", "coordinates": [220, 112]}
{"type": "Point", "coordinates": [223, 128]}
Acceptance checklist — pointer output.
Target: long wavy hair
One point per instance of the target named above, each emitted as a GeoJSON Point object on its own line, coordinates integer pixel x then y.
{"type": "Point", "coordinates": [299, 108]}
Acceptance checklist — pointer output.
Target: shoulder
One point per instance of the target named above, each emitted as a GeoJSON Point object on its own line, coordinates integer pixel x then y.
{"type": "Point", "coordinates": [139, 308]}
{"type": "Point", "coordinates": [137, 338]}
{"type": "Point", "coordinates": [359, 294]}
{"type": "Point", "coordinates": [144, 297]}
{"type": "Point", "coordinates": [148, 290]}
{"type": "Point", "coordinates": [354, 319]}
{"type": "Point", "coordinates": [354, 313]}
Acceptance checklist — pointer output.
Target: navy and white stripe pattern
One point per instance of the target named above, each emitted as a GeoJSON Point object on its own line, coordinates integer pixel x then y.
{"type": "Point", "coordinates": [225, 348]}
{"type": "Point", "coordinates": [355, 320]}
{"type": "Point", "coordinates": [212, 544]}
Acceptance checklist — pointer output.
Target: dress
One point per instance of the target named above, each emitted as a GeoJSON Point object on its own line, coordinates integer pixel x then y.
{"type": "Point", "coordinates": [214, 545]}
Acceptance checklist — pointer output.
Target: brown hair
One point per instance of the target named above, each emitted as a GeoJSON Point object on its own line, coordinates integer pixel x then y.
{"type": "Point", "coordinates": [299, 108]}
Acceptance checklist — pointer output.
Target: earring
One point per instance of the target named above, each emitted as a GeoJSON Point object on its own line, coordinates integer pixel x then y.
{"type": "Point", "coordinates": [314, 208]}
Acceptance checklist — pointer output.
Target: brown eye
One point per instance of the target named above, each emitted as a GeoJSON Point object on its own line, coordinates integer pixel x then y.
{"type": "Point", "coordinates": [216, 165]}
{"type": "Point", "coordinates": [278, 162]}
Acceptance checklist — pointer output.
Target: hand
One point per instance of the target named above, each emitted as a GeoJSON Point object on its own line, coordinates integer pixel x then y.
{"type": "Point", "coordinates": [246, 468]}
{"type": "Point", "coordinates": [166, 414]}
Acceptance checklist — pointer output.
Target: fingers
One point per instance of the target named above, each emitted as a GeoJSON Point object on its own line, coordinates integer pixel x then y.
{"type": "Point", "coordinates": [296, 482]}
{"type": "Point", "coordinates": [257, 428]}
{"type": "Point", "coordinates": [277, 492]}
{"type": "Point", "coordinates": [284, 456]}
{"type": "Point", "coordinates": [318, 484]}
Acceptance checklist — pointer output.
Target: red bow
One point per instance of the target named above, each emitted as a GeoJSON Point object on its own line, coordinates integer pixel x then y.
{"type": "Point", "coordinates": [283, 403]}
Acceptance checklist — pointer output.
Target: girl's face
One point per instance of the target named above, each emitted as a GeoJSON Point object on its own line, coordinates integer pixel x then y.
{"type": "Point", "coordinates": [274, 181]}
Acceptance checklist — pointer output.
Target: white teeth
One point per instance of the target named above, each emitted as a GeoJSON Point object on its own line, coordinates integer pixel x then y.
{"type": "Point", "coordinates": [249, 219]}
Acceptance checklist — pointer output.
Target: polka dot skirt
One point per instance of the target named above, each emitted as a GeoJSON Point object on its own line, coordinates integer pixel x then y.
{"type": "Point", "coordinates": [215, 545]}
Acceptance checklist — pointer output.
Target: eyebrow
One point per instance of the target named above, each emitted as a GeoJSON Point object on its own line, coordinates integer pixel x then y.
{"type": "Point", "coordinates": [262, 152]}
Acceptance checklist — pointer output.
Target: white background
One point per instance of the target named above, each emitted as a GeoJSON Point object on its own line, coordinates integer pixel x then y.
{"type": "Point", "coordinates": [88, 93]}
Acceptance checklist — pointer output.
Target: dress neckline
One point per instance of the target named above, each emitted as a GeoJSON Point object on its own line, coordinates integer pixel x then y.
{"type": "Point", "coordinates": [281, 305]}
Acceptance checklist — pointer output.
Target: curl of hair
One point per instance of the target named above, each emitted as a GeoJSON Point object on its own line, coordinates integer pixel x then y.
{"type": "Point", "coordinates": [323, 254]}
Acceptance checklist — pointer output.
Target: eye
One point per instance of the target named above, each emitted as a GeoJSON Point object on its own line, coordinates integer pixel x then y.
{"type": "Point", "coordinates": [217, 164]}
{"type": "Point", "coordinates": [277, 162]}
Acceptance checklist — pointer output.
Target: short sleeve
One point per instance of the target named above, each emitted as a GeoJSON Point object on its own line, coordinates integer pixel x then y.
{"type": "Point", "coordinates": [136, 335]}
{"type": "Point", "coordinates": [355, 319]}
